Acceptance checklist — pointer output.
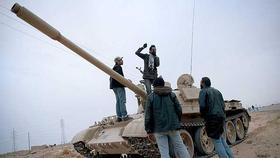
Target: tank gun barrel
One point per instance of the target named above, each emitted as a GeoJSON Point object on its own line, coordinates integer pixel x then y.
{"type": "Point", "coordinates": [50, 31]}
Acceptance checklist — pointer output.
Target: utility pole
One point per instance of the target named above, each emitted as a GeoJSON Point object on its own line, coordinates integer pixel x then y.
{"type": "Point", "coordinates": [14, 140]}
{"type": "Point", "coordinates": [29, 147]}
{"type": "Point", "coordinates": [62, 132]}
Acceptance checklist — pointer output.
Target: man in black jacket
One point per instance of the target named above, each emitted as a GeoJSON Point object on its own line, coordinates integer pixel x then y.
{"type": "Point", "coordinates": [212, 108]}
{"type": "Point", "coordinates": [162, 118]}
{"type": "Point", "coordinates": [119, 91]}
{"type": "Point", "coordinates": [151, 62]}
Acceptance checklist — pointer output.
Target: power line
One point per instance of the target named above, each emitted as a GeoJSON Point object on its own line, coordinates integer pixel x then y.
{"type": "Point", "coordinates": [192, 35]}
{"type": "Point", "coordinates": [12, 18]}
{"type": "Point", "coordinates": [15, 139]}
{"type": "Point", "coordinates": [40, 39]}
{"type": "Point", "coordinates": [130, 73]}
{"type": "Point", "coordinates": [5, 141]}
{"type": "Point", "coordinates": [36, 38]}
{"type": "Point", "coordinates": [25, 33]}
{"type": "Point", "coordinates": [107, 59]}
{"type": "Point", "coordinates": [4, 7]}
{"type": "Point", "coordinates": [32, 36]}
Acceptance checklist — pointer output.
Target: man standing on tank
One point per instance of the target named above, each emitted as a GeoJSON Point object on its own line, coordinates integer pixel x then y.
{"type": "Point", "coordinates": [119, 91]}
{"type": "Point", "coordinates": [151, 62]}
{"type": "Point", "coordinates": [162, 119]}
{"type": "Point", "coordinates": [212, 108]}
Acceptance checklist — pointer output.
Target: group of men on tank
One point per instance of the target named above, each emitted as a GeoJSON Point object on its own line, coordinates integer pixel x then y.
{"type": "Point", "coordinates": [163, 111]}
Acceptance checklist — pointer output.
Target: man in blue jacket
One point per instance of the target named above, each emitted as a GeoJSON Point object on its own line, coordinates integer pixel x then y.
{"type": "Point", "coordinates": [212, 108]}
{"type": "Point", "coordinates": [119, 91]}
{"type": "Point", "coordinates": [162, 118]}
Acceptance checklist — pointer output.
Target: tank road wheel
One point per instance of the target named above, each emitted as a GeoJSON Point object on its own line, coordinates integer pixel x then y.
{"type": "Point", "coordinates": [204, 144]}
{"type": "Point", "coordinates": [230, 132]}
{"type": "Point", "coordinates": [245, 121]}
{"type": "Point", "coordinates": [187, 139]}
{"type": "Point", "coordinates": [240, 132]}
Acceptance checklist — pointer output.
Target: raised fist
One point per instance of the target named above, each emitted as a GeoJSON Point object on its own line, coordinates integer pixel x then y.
{"type": "Point", "coordinates": [145, 45]}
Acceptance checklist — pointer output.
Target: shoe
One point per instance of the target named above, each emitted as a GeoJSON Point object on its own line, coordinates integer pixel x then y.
{"type": "Point", "coordinates": [118, 119]}
{"type": "Point", "coordinates": [127, 118]}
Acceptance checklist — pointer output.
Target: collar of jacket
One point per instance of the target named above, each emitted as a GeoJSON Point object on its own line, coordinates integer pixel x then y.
{"type": "Point", "coordinates": [162, 90]}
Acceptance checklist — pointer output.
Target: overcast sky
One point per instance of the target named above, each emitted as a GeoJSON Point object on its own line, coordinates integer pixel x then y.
{"type": "Point", "coordinates": [236, 44]}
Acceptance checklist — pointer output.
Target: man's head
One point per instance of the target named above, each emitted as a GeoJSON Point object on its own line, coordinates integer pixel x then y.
{"type": "Point", "coordinates": [118, 60]}
{"type": "Point", "coordinates": [158, 82]}
{"type": "Point", "coordinates": [153, 50]}
{"type": "Point", "coordinates": [205, 82]}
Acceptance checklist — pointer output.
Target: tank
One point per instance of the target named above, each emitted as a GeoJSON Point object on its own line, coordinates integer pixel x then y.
{"type": "Point", "coordinates": [108, 138]}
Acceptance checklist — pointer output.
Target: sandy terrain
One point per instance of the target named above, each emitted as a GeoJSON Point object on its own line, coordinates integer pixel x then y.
{"type": "Point", "coordinates": [262, 142]}
{"type": "Point", "coordinates": [264, 136]}
{"type": "Point", "coordinates": [66, 151]}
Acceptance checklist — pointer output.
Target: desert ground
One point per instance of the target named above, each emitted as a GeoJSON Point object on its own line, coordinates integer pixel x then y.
{"type": "Point", "coordinates": [262, 142]}
{"type": "Point", "coordinates": [263, 139]}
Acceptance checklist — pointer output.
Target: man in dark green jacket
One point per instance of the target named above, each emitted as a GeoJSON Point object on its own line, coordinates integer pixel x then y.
{"type": "Point", "coordinates": [212, 108]}
{"type": "Point", "coordinates": [162, 118]}
{"type": "Point", "coordinates": [151, 62]}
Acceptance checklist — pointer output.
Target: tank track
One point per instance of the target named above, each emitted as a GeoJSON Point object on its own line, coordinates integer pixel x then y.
{"type": "Point", "coordinates": [81, 148]}
{"type": "Point", "coordinates": [148, 149]}
{"type": "Point", "coordinates": [144, 147]}
{"type": "Point", "coordinates": [153, 152]}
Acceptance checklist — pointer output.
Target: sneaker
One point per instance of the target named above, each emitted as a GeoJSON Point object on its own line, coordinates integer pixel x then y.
{"type": "Point", "coordinates": [126, 118]}
{"type": "Point", "coordinates": [118, 119]}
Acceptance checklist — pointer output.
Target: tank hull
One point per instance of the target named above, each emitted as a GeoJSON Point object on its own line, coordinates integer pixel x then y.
{"type": "Point", "coordinates": [129, 138]}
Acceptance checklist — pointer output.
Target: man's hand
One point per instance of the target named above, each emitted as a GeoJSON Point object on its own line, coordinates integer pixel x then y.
{"type": "Point", "coordinates": [145, 45]}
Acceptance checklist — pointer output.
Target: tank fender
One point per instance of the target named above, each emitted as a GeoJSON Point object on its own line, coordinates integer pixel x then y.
{"type": "Point", "coordinates": [85, 135]}
{"type": "Point", "coordinates": [135, 128]}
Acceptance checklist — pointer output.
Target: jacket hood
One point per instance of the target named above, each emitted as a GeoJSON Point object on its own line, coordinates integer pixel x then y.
{"type": "Point", "coordinates": [162, 90]}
